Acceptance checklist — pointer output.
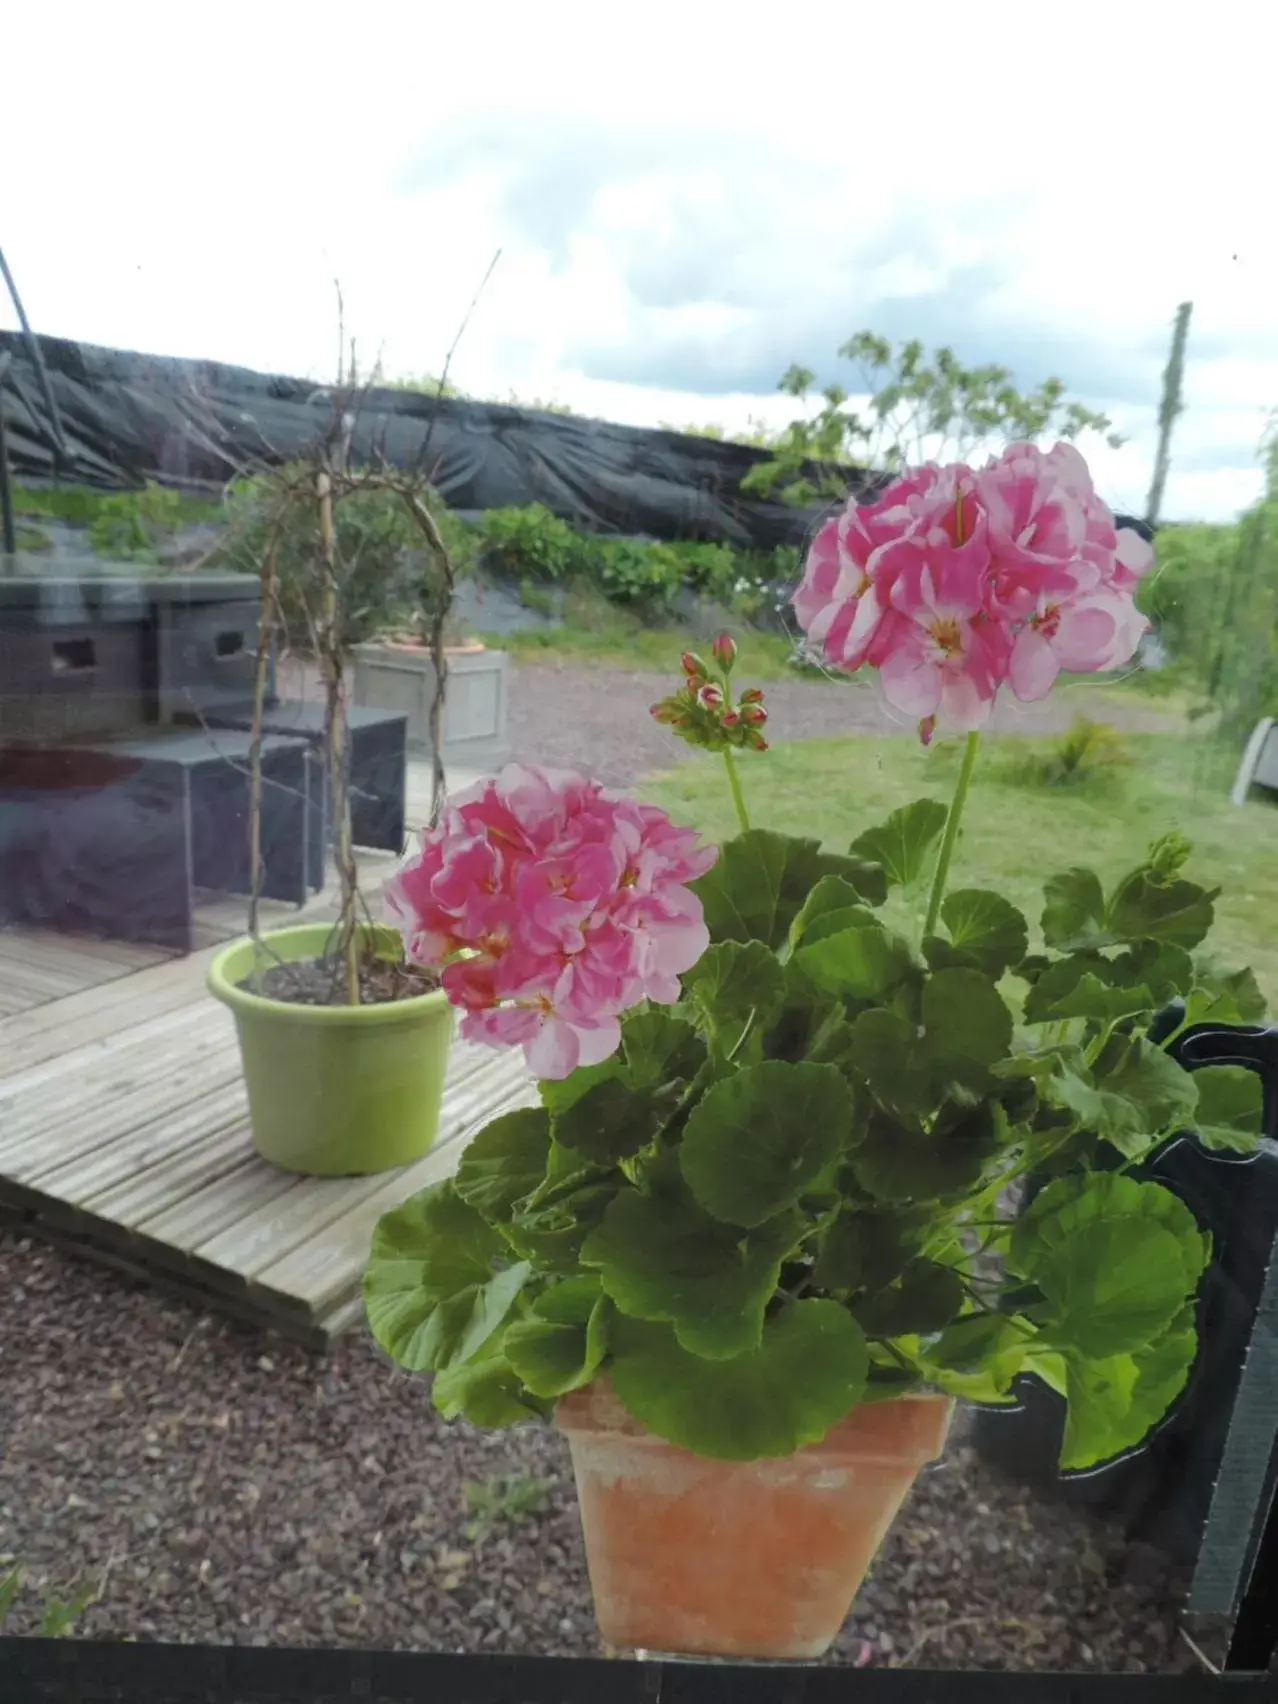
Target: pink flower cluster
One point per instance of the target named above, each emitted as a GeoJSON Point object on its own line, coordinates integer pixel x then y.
{"type": "Point", "coordinates": [956, 580]}
{"type": "Point", "coordinates": [553, 905]}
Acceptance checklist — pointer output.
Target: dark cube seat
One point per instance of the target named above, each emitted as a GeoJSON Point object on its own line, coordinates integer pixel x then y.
{"type": "Point", "coordinates": [115, 837]}
{"type": "Point", "coordinates": [378, 762]}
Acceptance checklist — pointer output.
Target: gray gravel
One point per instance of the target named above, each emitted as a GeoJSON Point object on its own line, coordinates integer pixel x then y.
{"type": "Point", "coordinates": [223, 1487]}
{"type": "Point", "coordinates": [577, 717]}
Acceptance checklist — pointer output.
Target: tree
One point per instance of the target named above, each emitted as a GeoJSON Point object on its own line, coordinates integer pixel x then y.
{"type": "Point", "coordinates": [921, 407]}
{"type": "Point", "coordinates": [1168, 410]}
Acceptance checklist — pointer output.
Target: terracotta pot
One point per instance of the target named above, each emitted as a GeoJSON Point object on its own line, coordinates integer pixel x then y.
{"type": "Point", "coordinates": [757, 1559]}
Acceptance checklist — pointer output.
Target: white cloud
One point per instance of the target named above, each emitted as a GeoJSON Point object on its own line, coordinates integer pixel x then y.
{"type": "Point", "coordinates": [681, 195]}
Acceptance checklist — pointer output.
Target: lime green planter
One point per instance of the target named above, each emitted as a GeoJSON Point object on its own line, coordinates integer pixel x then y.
{"type": "Point", "coordinates": [334, 1091]}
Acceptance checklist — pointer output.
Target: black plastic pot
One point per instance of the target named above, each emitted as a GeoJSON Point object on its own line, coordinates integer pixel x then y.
{"type": "Point", "coordinates": [1162, 1492]}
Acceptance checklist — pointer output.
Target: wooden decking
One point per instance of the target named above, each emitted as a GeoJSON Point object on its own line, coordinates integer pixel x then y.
{"type": "Point", "coordinates": [124, 1130]}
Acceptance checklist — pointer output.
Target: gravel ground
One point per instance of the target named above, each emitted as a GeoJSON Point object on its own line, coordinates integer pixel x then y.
{"type": "Point", "coordinates": [588, 718]}
{"type": "Point", "coordinates": [223, 1487]}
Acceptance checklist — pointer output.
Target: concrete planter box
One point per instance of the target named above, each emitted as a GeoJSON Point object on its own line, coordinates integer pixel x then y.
{"type": "Point", "coordinates": [402, 678]}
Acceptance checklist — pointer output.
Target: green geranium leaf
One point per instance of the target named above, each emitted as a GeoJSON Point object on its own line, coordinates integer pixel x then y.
{"type": "Point", "coordinates": [610, 1122]}
{"type": "Point", "coordinates": [1140, 1095]}
{"type": "Point", "coordinates": [1115, 1259]}
{"type": "Point", "coordinates": [659, 1046]}
{"type": "Point", "coordinates": [967, 1027]}
{"type": "Point", "coordinates": [1150, 1079]}
{"type": "Point", "coordinates": [561, 1345]}
{"type": "Point", "coordinates": [833, 904]}
{"type": "Point", "coordinates": [977, 1358]}
{"type": "Point", "coordinates": [734, 979]}
{"type": "Point", "coordinates": [1144, 908]}
{"type": "Point", "coordinates": [1113, 1404]}
{"type": "Point", "coordinates": [759, 1139]}
{"type": "Point", "coordinates": [1229, 999]}
{"type": "Point", "coordinates": [759, 883]}
{"type": "Point", "coordinates": [557, 1095]}
{"type": "Point", "coordinates": [1057, 980]}
{"type": "Point", "coordinates": [484, 1390]}
{"type": "Point", "coordinates": [901, 845]}
{"type": "Point", "coordinates": [986, 933]}
{"type": "Point", "coordinates": [663, 1259]}
{"type": "Point", "coordinates": [899, 1163]}
{"type": "Point", "coordinates": [866, 1248]}
{"type": "Point", "coordinates": [864, 963]}
{"type": "Point", "coordinates": [551, 1224]}
{"type": "Point", "coordinates": [505, 1162]}
{"type": "Point", "coordinates": [925, 1298]}
{"type": "Point", "coordinates": [1165, 969]}
{"type": "Point", "coordinates": [1095, 1000]}
{"type": "Point", "coordinates": [888, 1053]}
{"type": "Point", "coordinates": [435, 1243]}
{"type": "Point", "coordinates": [1230, 1107]}
{"type": "Point", "coordinates": [424, 1335]}
{"type": "Point", "coordinates": [1074, 913]}
{"type": "Point", "coordinates": [807, 1373]}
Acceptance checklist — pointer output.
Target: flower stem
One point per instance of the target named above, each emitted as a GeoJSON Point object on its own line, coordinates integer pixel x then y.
{"type": "Point", "coordinates": [734, 783]}
{"type": "Point", "coordinates": [950, 836]}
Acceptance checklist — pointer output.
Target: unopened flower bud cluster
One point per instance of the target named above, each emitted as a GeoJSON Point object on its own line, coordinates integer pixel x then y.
{"type": "Point", "coordinates": [702, 711]}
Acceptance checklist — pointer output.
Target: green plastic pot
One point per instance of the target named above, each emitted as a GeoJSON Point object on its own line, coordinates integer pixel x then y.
{"type": "Point", "coordinates": [334, 1091]}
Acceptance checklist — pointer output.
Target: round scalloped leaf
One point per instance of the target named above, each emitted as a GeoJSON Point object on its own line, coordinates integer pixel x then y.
{"type": "Point", "coordinates": [807, 1373]}
{"type": "Point", "coordinates": [663, 1259]}
{"type": "Point", "coordinates": [1116, 1260]}
{"type": "Point", "coordinates": [504, 1163]}
{"type": "Point", "coordinates": [758, 1140]}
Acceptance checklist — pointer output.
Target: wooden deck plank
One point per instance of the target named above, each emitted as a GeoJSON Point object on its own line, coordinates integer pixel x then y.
{"type": "Point", "coordinates": [85, 1177]}
{"type": "Point", "coordinates": [324, 1269]}
{"type": "Point", "coordinates": [175, 1177]}
{"type": "Point", "coordinates": [124, 1130]}
{"type": "Point", "coordinates": [105, 1103]}
{"type": "Point", "coordinates": [261, 1238]}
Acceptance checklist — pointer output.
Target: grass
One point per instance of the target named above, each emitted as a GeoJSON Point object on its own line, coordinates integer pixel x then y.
{"type": "Point", "coordinates": [1014, 836]}
{"type": "Point", "coordinates": [597, 633]}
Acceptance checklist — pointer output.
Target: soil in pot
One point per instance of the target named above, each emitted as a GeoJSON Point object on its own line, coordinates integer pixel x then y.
{"type": "Point", "coordinates": [756, 1559]}
{"type": "Point", "coordinates": [334, 1090]}
{"type": "Point", "coordinates": [322, 982]}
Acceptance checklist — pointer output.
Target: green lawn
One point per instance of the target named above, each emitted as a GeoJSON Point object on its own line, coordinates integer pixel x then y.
{"type": "Point", "coordinates": [602, 635]}
{"type": "Point", "coordinates": [1014, 836]}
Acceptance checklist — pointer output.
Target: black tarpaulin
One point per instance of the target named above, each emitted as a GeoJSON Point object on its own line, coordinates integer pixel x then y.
{"type": "Point", "coordinates": [129, 417]}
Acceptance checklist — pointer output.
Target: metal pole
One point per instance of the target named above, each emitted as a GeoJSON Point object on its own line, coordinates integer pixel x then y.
{"type": "Point", "coordinates": [6, 492]}
{"type": "Point", "coordinates": [60, 456]}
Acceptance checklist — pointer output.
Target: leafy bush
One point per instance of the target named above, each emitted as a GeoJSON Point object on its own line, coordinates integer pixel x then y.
{"type": "Point", "coordinates": [640, 574]}
{"type": "Point", "coordinates": [386, 579]}
{"type": "Point", "coordinates": [132, 525]}
{"type": "Point", "coordinates": [530, 543]}
{"type": "Point", "coordinates": [1086, 753]}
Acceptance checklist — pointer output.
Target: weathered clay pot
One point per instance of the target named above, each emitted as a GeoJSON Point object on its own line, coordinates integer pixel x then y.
{"type": "Point", "coordinates": [757, 1559]}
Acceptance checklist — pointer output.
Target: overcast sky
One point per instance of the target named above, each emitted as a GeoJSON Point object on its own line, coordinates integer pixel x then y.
{"type": "Point", "coordinates": [687, 198]}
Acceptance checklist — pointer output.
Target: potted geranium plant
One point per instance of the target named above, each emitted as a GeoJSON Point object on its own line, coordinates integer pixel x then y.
{"type": "Point", "coordinates": [758, 1235]}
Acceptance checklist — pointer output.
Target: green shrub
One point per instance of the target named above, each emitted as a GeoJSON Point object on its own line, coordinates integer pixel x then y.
{"type": "Point", "coordinates": [530, 543]}
{"type": "Point", "coordinates": [385, 577]}
{"type": "Point", "coordinates": [132, 525]}
{"type": "Point", "coordinates": [1087, 752]}
{"type": "Point", "coordinates": [640, 575]}
{"type": "Point", "coordinates": [80, 506]}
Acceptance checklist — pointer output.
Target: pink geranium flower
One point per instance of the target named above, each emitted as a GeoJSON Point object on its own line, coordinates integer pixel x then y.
{"type": "Point", "coordinates": [955, 583]}
{"type": "Point", "coordinates": [551, 906]}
